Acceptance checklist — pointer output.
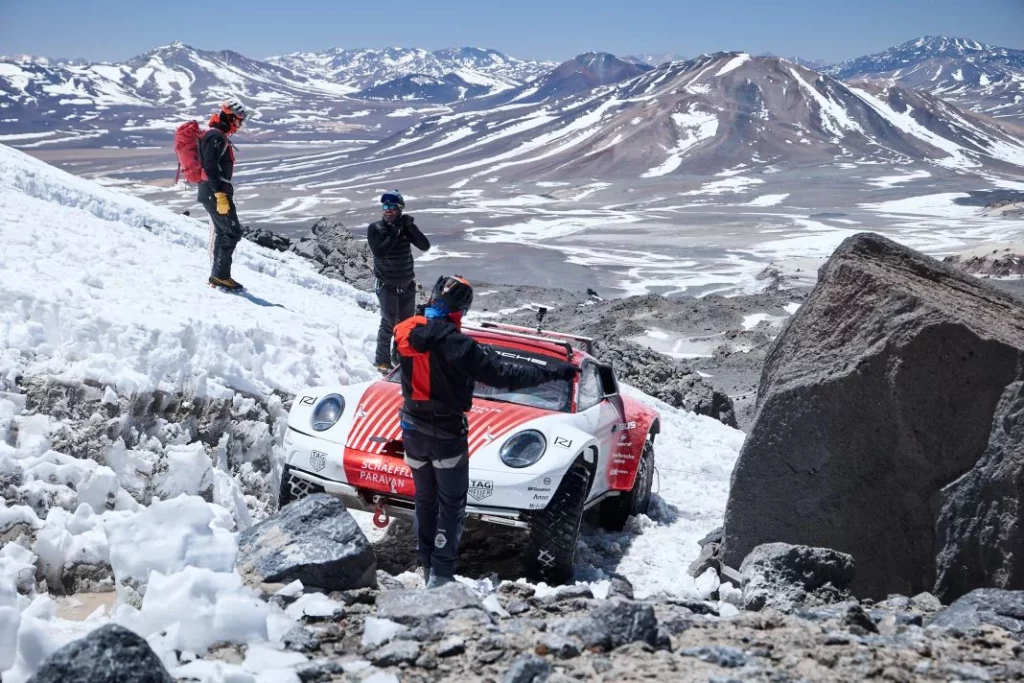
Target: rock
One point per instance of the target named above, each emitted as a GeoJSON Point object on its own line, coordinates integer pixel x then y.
{"type": "Point", "coordinates": [266, 239]}
{"type": "Point", "coordinates": [994, 606]}
{"type": "Point", "coordinates": [789, 577]}
{"type": "Point", "coordinates": [387, 582]}
{"type": "Point", "coordinates": [451, 646]}
{"type": "Point", "coordinates": [568, 593]}
{"type": "Point", "coordinates": [619, 586]}
{"type": "Point", "coordinates": [722, 655]}
{"type": "Point", "coordinates": [714, 536]}
{"type": "Point", "coordinates": [665, 378]}
{"type": "Point", "coordinates": [427, 661]}
{"type": "Point", "coordinates": [396, 652]}
{"type": "Point", "coordinates": [980, 529]}
{"type": "Point", "coordinates": [527, 669]}
{"type": "Point", "coordinates": [861, 416]}
{"type": "Point", "coordinates": [611, 624]}
{"type": "Point", "coordinates": [411, 607]}
{"type": "Point", "coordinates": [314, 540]}
{"type": "Point", "coordinates": [517, 607]}
{"type": "Point", "coordinates": [558, 646]}
{"type": "Point", "coordinates": [300, 639]}
{"type": "Point", "coordinates": [338, 253]}
{"type": "Point", "coordinates": [110, 654]}
{"type": "Point", "coordinates": [858, 621]}
{"type": "Point", "coordinates": [926, 602]}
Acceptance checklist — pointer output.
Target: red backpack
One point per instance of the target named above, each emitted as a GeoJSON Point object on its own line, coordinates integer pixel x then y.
{"type": "Point", "coordinates": [186, 147]}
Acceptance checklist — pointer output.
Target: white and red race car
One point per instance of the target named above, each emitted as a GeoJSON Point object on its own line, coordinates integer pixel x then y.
{"type": "Point", "coordinates": [538, 457]}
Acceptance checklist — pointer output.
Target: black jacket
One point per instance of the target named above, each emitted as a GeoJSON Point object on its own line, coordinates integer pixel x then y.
{"type": "Point", "coordinates": [392, 253]}
{"type": "Point", "coordinates": [217, 155]}
{"type": "Point", "coordinates": [440, 367]}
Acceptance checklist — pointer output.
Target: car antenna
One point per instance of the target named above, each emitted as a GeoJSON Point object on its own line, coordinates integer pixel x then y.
{"type": "Point", "coordinates": [541, 312]}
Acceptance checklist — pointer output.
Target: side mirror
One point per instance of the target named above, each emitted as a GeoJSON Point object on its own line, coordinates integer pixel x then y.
{"type": "Point", "coordinates": [609, 385]}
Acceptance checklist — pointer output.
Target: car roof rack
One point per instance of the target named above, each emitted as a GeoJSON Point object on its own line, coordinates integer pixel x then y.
{"type": "Point", "coordinates": [542, 335]}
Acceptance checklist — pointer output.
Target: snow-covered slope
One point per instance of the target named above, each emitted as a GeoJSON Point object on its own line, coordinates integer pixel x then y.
{"type": "Point", "coordinates": [971, 74]}
{"type": "Point", "coordinates": [111, 349]}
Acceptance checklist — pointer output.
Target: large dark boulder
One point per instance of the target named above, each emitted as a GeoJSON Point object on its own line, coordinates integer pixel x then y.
{"type": "Point", "coordinates": [879, 393]}
{"type": "Point", "coordinates": [315, 540]}
{"type": "Point", "coordinates": [110, 654]}
{"type": "Point", "coordinates": [981, 519]}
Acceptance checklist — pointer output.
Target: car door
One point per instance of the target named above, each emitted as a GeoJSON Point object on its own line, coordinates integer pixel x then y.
{"type": "Point", "coordinates": [602, 421]}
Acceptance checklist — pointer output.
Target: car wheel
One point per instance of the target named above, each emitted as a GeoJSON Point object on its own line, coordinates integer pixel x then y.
{"type": "Point", "coordinates": [293, 488]}
{"type": "Point", "coordinates": [614, 512]}
{"type": "Point", "coordinates": [554, 530]}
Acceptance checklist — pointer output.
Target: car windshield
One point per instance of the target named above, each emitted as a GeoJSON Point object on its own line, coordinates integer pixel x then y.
{"type": "Point", "coordinates": [553, 395]}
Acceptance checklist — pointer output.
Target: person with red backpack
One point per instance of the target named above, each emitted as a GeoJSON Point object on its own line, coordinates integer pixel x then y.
{"type": "Point", "coordinates": [209, 159]}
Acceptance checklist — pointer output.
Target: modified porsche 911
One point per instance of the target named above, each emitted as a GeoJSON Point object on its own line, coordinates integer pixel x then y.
{"type": "Point", "coordinates": [539, 457]}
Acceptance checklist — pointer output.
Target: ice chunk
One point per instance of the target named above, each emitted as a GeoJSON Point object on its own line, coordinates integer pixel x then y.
{"type": "Point", "coordinates": [10, 620]}
{"type": "Point", "coordinates": [204, 606]}
{"type": "Point", "coordinates": [261, 658]}
{"type": "Point", "coordinates": [379, 631]}
{"type": "Point", "coordinates": [170, 535]}
{"type": "Point", "coordinates": [707, 583]}
{"type": "Point", "coordinates": [315, 605]}
{"type": "Point", "coordinates": [292, 590]}
{"type": "Point", "coordinates": [189, 471]}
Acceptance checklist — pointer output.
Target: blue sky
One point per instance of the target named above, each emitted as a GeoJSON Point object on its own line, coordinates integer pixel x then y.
{"type": "Point", "coordinates": [115, 30]}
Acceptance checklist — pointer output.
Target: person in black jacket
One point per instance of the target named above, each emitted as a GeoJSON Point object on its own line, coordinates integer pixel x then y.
{"type": "Point", "coordinates": [439, 369]}
{"type": "Point", "coordinates": [390, 240]}
{"type": "Point", "coordinates": [216, 193]}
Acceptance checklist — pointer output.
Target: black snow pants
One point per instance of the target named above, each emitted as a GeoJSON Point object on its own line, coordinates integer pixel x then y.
{"type": "Point", "coordinates": [396, 304]}
{"type": "Point", "coordinates": [440, 470]}
{"type": "Point", "coordinates": [225, 233]}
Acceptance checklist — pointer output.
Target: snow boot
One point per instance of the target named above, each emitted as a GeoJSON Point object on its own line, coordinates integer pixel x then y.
{"type": "Point", "coordinates": [226, 284]}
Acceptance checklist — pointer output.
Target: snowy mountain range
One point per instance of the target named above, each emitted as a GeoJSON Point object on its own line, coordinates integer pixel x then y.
{"type": "Point", "coordinates": [705, 115]}
{"type": "Point", "coordinates": [364, 96]}
{"type": "Point", "coordinates": [973, 75]}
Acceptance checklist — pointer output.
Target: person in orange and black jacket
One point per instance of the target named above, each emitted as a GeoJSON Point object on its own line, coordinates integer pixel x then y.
{"type": "Point", "coordinates": [439, 369]}
{"type": "Point", "coordinates": [216, 193]}
{"type": "Point", "coordinates": [390, 240]}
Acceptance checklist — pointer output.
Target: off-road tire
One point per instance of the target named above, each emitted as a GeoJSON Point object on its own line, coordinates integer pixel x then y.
{"type": "Point", "coordinates": [293, 488]}
{"type": "Point", "coordinates": [554, 530]}
{"type": "Point", "coordinates": [614, 512]}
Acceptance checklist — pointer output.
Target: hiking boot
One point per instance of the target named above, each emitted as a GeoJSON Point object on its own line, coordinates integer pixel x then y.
{"type": "Point", "coordinates": [424, 572]}
{"type": "Point", "coordinates": [224, 283]}
{"type": "Point", "coordinates": [438, 581]}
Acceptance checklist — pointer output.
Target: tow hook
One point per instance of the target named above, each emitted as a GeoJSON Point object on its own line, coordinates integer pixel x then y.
{"type": "Point", "coordinates": [381, 518]}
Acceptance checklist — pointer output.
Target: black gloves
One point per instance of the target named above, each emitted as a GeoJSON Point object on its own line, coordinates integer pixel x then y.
{"type": "Point", "coordinates": [560, 370]}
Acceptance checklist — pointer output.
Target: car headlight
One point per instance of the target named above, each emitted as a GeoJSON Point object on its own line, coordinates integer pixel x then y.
{"type": "Point", "coordinates": [523, 449]}
{"type": "Point", "coordinates": [327, 412]}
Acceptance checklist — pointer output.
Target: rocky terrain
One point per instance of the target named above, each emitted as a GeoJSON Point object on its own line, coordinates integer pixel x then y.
{"type": "Point", "coordinates": [793, 619]}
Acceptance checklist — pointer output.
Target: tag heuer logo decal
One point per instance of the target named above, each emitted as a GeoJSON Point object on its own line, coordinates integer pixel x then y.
{"type": "Point", "coordinates": [562, 442]}
{"type": "Point", "coordinates": [479, 489]}
{"type": "Point", "coordinates": [317, 460]}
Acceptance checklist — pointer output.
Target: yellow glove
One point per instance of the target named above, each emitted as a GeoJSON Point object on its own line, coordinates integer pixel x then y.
{"type": "Point", "coordinates": [223, 206]}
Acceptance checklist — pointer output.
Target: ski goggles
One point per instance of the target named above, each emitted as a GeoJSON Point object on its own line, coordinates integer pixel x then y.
{"type": "Point", "coordinates": [390, 198]}
{"type": "Point", "coordinates": [390, 206]}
